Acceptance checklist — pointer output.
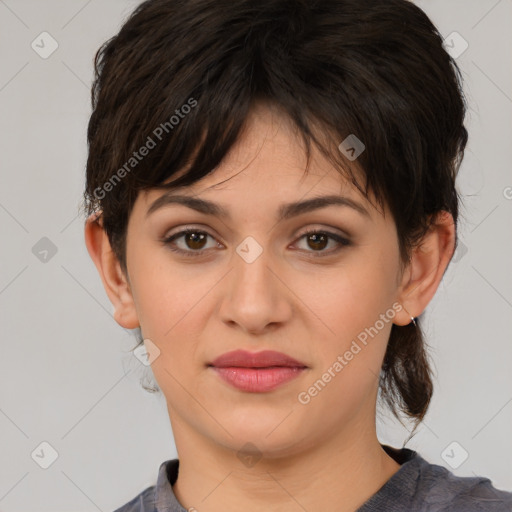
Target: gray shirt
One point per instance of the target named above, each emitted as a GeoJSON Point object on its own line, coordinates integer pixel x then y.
{"type": "Point", "coordinates": [417, 486]}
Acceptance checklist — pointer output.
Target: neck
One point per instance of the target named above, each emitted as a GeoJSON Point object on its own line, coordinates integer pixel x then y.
{"type": "Point", "coordinates": [337, 473]}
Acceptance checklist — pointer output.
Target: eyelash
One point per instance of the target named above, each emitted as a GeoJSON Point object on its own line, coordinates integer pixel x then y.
{"type": "Point", "coordinates": [315, 254]}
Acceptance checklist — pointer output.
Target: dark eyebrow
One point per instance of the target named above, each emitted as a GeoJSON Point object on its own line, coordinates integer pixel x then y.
{"type": "Point", "coordinates": [285, 211]}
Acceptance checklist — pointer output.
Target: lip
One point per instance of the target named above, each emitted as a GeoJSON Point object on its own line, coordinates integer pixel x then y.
{"type": "Point", "coordinates": [257, 372]}
{"type": "Point", "coordinates": [263, 359]}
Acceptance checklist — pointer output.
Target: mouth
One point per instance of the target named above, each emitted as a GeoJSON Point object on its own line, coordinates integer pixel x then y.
{"type": "Point", "coordinates": [257, 372]}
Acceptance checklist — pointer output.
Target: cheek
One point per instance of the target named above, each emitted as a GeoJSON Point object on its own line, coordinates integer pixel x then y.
{"type": "Point", "coordinates": [164, 298]}
{"type": "Point", "coordinates": [349, 305]}
{"type": "Point", "coordinates": [349, 354]}
{"type": "Point", "coordinates": [167, 306]}
{"type": "Point", "coordinates": [359, 290]}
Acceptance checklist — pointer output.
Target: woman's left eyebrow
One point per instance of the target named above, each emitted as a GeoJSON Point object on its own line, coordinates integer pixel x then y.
{"type": "Point", "coordinates": [285, 211]}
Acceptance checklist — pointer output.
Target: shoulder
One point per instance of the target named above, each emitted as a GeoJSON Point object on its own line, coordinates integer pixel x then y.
{"type": "Point", "coordinates": [420, 486]}
{"type": "Point", "coordinates": [161, 493]}
{"type": "Point", "coordinates": [143, 502]}
{"type": "Point", "coordinates": [462, 493]}
{"type": "Point", "coordinates": [440, 490]}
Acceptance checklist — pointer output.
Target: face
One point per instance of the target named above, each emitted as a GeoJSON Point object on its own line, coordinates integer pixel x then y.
{"type": "Point", "coordinates": [255, 280]}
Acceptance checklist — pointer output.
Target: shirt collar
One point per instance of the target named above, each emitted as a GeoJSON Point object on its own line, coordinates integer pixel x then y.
{"type": "Point", "coordinates": [165, 500]}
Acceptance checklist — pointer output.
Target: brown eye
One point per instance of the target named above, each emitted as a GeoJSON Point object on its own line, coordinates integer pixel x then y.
{"type": "Point", "coordinates": [195, 240]}
{"type": "Point", "coordinates": [193, 244]}
{"type": "Point", "coordinates": [317, 240]}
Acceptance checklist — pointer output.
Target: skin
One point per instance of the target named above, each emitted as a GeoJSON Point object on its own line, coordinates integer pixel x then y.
{"type": "Point", "coordinates": [323, 455]}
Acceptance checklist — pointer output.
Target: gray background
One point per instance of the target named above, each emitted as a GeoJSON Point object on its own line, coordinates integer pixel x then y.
{"type": "Point", "coordinates": [67, 376]}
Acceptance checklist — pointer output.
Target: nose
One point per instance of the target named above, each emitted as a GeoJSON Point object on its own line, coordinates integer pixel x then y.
{"type": "Point", "coordinates": [257, 298]}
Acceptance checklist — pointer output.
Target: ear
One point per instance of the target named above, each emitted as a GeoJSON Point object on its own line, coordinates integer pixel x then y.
{"type": "Point", "coordinates": [426, 268]}
{"type": "Point", "coordinates": [114, 280]}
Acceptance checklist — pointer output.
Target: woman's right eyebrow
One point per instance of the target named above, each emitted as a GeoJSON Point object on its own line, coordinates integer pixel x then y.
{"type": "Point", "coordinates": [285, 211]}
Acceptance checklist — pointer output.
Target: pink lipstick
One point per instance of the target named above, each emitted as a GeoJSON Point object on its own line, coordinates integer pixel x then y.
{"type": "Point", "coordinates": [257, 372]}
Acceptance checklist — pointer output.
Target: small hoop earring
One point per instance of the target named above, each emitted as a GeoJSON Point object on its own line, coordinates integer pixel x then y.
{"type": "Point", "coordinates": [412, 318]}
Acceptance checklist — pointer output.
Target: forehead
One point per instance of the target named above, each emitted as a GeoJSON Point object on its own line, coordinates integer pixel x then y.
{"type": "Point", "coordinates": [267, 165]}
{"type": "Point", "coordinates": [271, 148]}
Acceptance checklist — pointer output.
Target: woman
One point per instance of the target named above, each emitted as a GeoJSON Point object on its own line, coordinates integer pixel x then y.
{"type": "Point", "coordinates": [271, 199]}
